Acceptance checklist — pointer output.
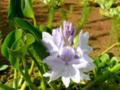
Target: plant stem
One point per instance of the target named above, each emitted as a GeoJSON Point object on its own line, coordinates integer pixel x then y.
{"type": "Point", "coordinates": [27, 79]}
{"type": "Point", "coordinates": [103, 77]}
{"type": "Point", "coordinates": [35, 23]}
{"type": "Point", "coordinates": [42, 85]}
{"type": "Point", "coordinates": [20, 81]}
{"type": "Point", "coordinates": [109, 48]}
{"type": "Point", "coordinates": [30, 71]}
{"type": "Point", "coordinates": [84, 18]}
{"type": "Point", "coordinates": [51, 16]}
{"type": "Point", "coordinates": [15, 79]}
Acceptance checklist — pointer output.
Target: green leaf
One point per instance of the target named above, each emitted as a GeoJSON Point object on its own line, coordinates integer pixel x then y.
{"type": "Point", "coordinates": [104, 58]}
{"type": "Point", "coordinates": [19, 48]}
{"type": "Point", "coordinates": [18, 51]}
{"type": "Point", "coordinates": [29, 39]}
{"type": "Point", "coordinates": [114, 61]}
{"type": "Point", "coordinates": [15, 54]}
{"type": "Point", "coordinates": [42, 85]}
{"type": "Point", "coordinates": [35, 33]}
{"type": "Point", "coordinates": [7, 44]}
{"type": "Point", "coordinates": [12, 42]}
{"type": "Point", "coordinates": [3, 67]}
{"type": "Point", "coordinates": [27, 9]}
{"type": "Point", "coordinates": [26, 26]}
{"type": "Point", "coordinates": [14, 9]}
{"type": "Point", "coordinates": [18, 34]}
{"type": "Point", "coordinates": [14, 61]}
{"type": "Point", "coordinates": [17, 40]}
{"type": "Point", "coordinates": [105, 4]}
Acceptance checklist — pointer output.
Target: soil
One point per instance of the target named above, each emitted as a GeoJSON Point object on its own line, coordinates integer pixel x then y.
{"type": "Point", "coordinates": [98, 26]}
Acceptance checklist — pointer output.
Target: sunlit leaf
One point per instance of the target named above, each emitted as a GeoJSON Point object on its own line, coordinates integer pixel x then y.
{"type": "Point", "coordinates": [104, 58]}
{"type": "Point", "coordinates": [7, 44]}
{"type": "Point", "coordinates": [105, 4]}
{"type": "Point", "coordinates": [29, 39]}
{"type": "Point", "coordinates": [27, 9]}
{"type": "Point", "coordinates": [114, 61]}
{"type": "Point", "coordinates": [3, 67]}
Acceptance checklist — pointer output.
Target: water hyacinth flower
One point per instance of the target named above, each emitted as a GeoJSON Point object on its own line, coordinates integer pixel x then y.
{"type": "Point", "coordinates": [65, 60]}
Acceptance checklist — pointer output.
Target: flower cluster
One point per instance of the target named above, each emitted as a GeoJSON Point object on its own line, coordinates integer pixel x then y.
{"type": "Point", "coordinates": [65, 60]}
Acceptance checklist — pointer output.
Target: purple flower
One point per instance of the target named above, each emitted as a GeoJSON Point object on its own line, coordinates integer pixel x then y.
{"type": "Point", "coordinates": [65, 61]}
{"type": "Point", "coordinates": [68, 32]}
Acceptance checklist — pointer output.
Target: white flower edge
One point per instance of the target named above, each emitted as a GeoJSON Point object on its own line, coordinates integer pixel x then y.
{"type": "Point", "coordinates": [48, 41]}
{"type": "Point", "coordinates": [53, 42]}
{"type": "Point", "coordinates": [83, 46]}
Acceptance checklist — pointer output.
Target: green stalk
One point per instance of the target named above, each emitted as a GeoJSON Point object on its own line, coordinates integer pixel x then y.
{"type": "Point", "coordinates": [35, 23]}
{"type": "Point", "coordinates": [42, 85]}
{"type": "Point", "coordinates": [27, 78]}
{"type": "Point", "coordinates": [15, 79]}
{"type": "Point", "coordinates": [30, 72]}
{"type": "Point", "coordinates": [20, 81]}
{"type": "Point", "coordinates": [51, 16]}
{"type": "Point", "coordinates": [109, 48]}
{"type": "Point", "coordinates": [84, 17]}
{"type": "Point", "coordinates": [103, 77]}
{"type": "Point", "coordinates": [36, 62]}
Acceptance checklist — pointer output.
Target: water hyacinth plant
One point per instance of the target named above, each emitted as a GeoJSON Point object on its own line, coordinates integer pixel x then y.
{"type": "Point", "coordinates": [42, 57]}
{"type": "Point", "coordinates": [65, 60]}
